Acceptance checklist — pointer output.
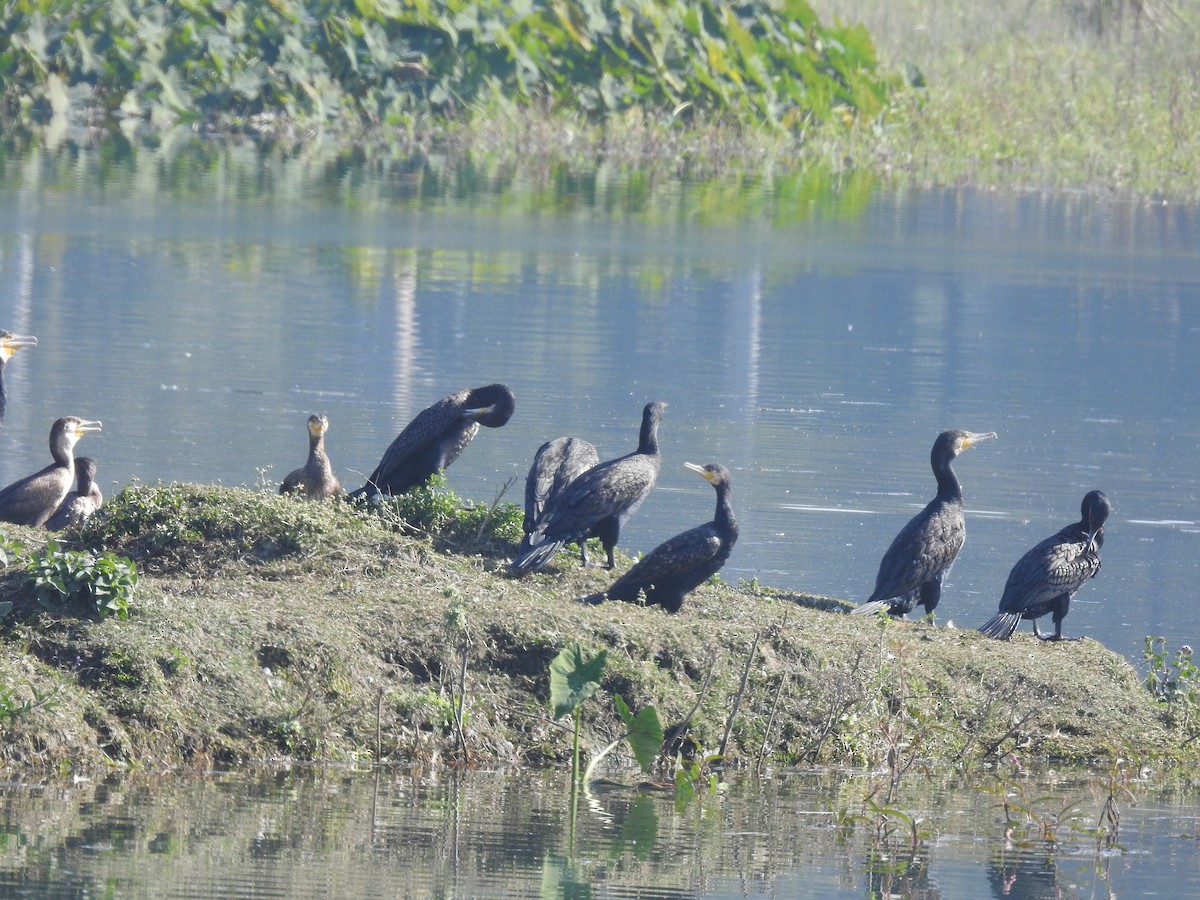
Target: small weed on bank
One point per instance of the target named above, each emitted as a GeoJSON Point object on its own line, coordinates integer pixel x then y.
{"type": "Point", "coordinates": [67, 581]}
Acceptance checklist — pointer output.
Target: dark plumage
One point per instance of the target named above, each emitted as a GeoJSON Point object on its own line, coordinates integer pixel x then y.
{"type": "Point", "coordinates": [597, 503]}
{"type": "Point", "coordinates": [33, 499]}
{"type": "Point", "coordinates": [672, 569]}
{"type": "Point", "coordinates": [919, 557]}
{"type": "Point", "coordinates": [436, 437]}
{"type": "Point", "coordinates": [555, 465]}
{"type": "Point", "coordinates": [10, 343]}
{"type": "Point", "coordinates": [1045, 578]}
{"type": "Point", "coordinates": [315, 480]}
{"type": "Point", "coordinates": [80, 503]}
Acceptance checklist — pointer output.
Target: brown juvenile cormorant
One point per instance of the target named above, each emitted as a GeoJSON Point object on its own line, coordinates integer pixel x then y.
{"type": "Point", "coordinates": [1044, 579]}
{"type": "Point", "coordinates": [672, 569]}
{"type": "Point", "coordinates": [597, 503]}
{"type": "Point", "coordinates": [33, 499]}
{"type": "Point", "coordinates": [555, 465]}
{"type": "Point", "coordinates": [436, 437]}
{"type": "Point", "coordinates": [315, 480]}
{"type": "Point", "coordinates": [919, 557]}
{"type": "Point", "coordinates": [10, 343]}
{"type": "Point", "coordinates": [80, 503]}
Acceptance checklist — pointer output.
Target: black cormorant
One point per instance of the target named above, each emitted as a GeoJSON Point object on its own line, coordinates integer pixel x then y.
{"type": "Point", "coordinates": [597, 503]}
{"type": "Point", "coordinates": [1045, 578]}
{"type": "Point", "coordinates": [80, 503]}
{"type": "Point", "coordinates": [10, 343]}
{"type": "Point", "coordinates": [919, 557]}
{"type": "Point", "coordinates": [315, 480]}
{"type": "Point", "coordinates": [436, 437]}
{"type": "Point", "coordinates": [555, 465]}
{"type": "Point", "coordinates": [33, 499]}
{"type": "Point", "coordinates": [667, 573]}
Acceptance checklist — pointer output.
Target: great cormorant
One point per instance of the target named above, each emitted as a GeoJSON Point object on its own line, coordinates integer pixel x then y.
{"type": "Point", "coordinates": [668, 572]}
{"type": "Point", "coordinates": [919, 557]}
{"type": "Point", "coordinates": [1045, 578]}
{"type": "Point", "coordinates": [10, 343]}
{"type": "Point", "coordinates": [80, 503]}
{"type": "Point", "coordinates": [315, 480]}
{"type": "Point", "coordinates": [436, 437]}
{"type": "Point", "coordinates": [597, 503]}
{"type": "Point", "coordinates": [555, 465]}
{"type": "Point", "coordinates": [33, 499]}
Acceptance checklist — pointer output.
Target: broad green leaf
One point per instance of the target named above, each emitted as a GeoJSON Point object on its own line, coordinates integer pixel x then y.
{"type": "Point", "coordinates": [573, 678]}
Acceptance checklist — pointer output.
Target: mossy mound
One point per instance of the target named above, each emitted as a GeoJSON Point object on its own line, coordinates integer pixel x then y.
{"type": "Point", "coordinates": [267, 628]}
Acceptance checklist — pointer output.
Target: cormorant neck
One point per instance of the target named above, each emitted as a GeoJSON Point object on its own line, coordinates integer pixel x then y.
{"type": "Point", "coordinates": [949, 487]}
{"type": "Point", "coordinates": [648, 441]}
{"type": "Point", "coordinates": [725, 518]}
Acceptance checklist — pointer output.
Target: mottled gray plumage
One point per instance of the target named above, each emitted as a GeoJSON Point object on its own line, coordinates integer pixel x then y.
{"type": "Point", "coordinates": [436, 438]}
{"type": "Point", "coordinates": [33, 499]}
{"type": "Point", "coordinates": [80, 503]}
{"type": "Point", "coordinates": [912, 569]}
{"type": "Point", "coordinates": [555, 465]}
{"type": "Point", "coordinates": [1046, 577]}
{"type": "Point", "coordinates": [10, 343]}
{"type": "Point", "coordinates": [597, 503]}
{"type": "Point", "coordinates": [315, 479]}
{"type": "Point", "coordinates": [666, 574]}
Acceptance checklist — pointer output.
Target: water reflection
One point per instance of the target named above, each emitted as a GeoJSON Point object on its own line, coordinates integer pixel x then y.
{"type": "Point", "coordinates": [813, 336]}
{"type": "Point", "coordinates": [455, 834]}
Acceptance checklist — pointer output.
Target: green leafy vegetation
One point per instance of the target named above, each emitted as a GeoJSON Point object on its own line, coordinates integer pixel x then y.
{"type": "Point", "coordinates": [385, 62]}
{"type": "Point", "coordinates": [1173, 679]}
{"type": "Point", "coordinates": [81, 581]}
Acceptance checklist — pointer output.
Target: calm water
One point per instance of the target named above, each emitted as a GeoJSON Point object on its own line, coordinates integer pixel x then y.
{"type": "Point", "coordinates": [343, 834]}
{"type": "Point", "coordinates": [814, 342]}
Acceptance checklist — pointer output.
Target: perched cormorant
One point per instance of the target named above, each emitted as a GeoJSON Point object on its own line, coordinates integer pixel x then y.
{"type": "Point", "coordinates": [436, 437]}
{"type": "Point", "coordinates": [913, 567]}
{"type": "Point", "coordinates": [80, 503]}
{"type": "Point", "coordinates": [33, 499]}
{"type": "Point", "coordinates": [315, 480]}
{"type": "Point", "coordinates": [668, 572]}
{"type": "Point", "coordinates": [597, 503]}
{"type": "Point", "coordinates": [555, 465]}
{"type": "Point", "coordinates": [9, 344]}
{"type": "Point", "coordinates": [1044, 579]}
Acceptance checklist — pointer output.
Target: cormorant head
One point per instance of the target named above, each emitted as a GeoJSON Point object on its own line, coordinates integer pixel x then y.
{"type": "Point", "coordinates": [1094, 510]}
{"type": "Point", "coordinates": [85, 474]}
{"type": "Point", "coordinates": [951, 443]}
{"type": "Point", "coordinates": [713, 473]}
{"type": "Point", "coordinates": [70, 429]}
{"type": "Point", "coordinates": [317, 425]}
{"type": "Point", "coordinates": [491, 405]}
{"type": "Point", "coordinates": [10, 343]}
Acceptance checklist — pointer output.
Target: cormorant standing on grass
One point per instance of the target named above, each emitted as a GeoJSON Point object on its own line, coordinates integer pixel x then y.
{"type": "Point", "coordinates": [315, 479]}
{"type": "Point", "coordinates": [555, 465]}
{"type": "Point", "coordinates": [436, 437]}
{"type": "Point", "coordinates": [80, 503]}
{"type": "Point", "coordinates": [1046, 577]}
{"type": "Point", "coordinates": [597, 503]}
{"type": "Point", "coordinates": [33, 499]}
{"type": "Point", "coordinates": [671, 570]}
{"type": "Point", "coordinates": [913, 567]}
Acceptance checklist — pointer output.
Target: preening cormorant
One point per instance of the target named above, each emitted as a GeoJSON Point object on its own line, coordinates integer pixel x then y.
{"type": "Point", "coordinates": [919, 557]}
{"type": "Point", "coordinates": [667, 573]}
{"type": "Point", "coordinates": [33, 499]}
{"type": "Point", "coordinates": [436, 437]}
{"type": "Point", "coordinates": [555, 465]}
{"type": "Point", "coordinates": [597, 503]}
{"type": "Point", "coordinates": [1045, 578]}
{"type": "Point", "coordinates": [80, 503]}
{"type": "Point", "coordinates": [10, 343]}
{"type": "Point", "coordinates": [315, 480]}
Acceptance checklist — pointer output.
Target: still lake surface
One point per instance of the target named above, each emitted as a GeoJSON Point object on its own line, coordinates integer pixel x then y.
{"type": "Point", "coordinates": [812, 335]}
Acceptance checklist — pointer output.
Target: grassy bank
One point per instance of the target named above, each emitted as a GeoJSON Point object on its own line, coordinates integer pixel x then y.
{"type": "Point", "coordinates": [263, 628]}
